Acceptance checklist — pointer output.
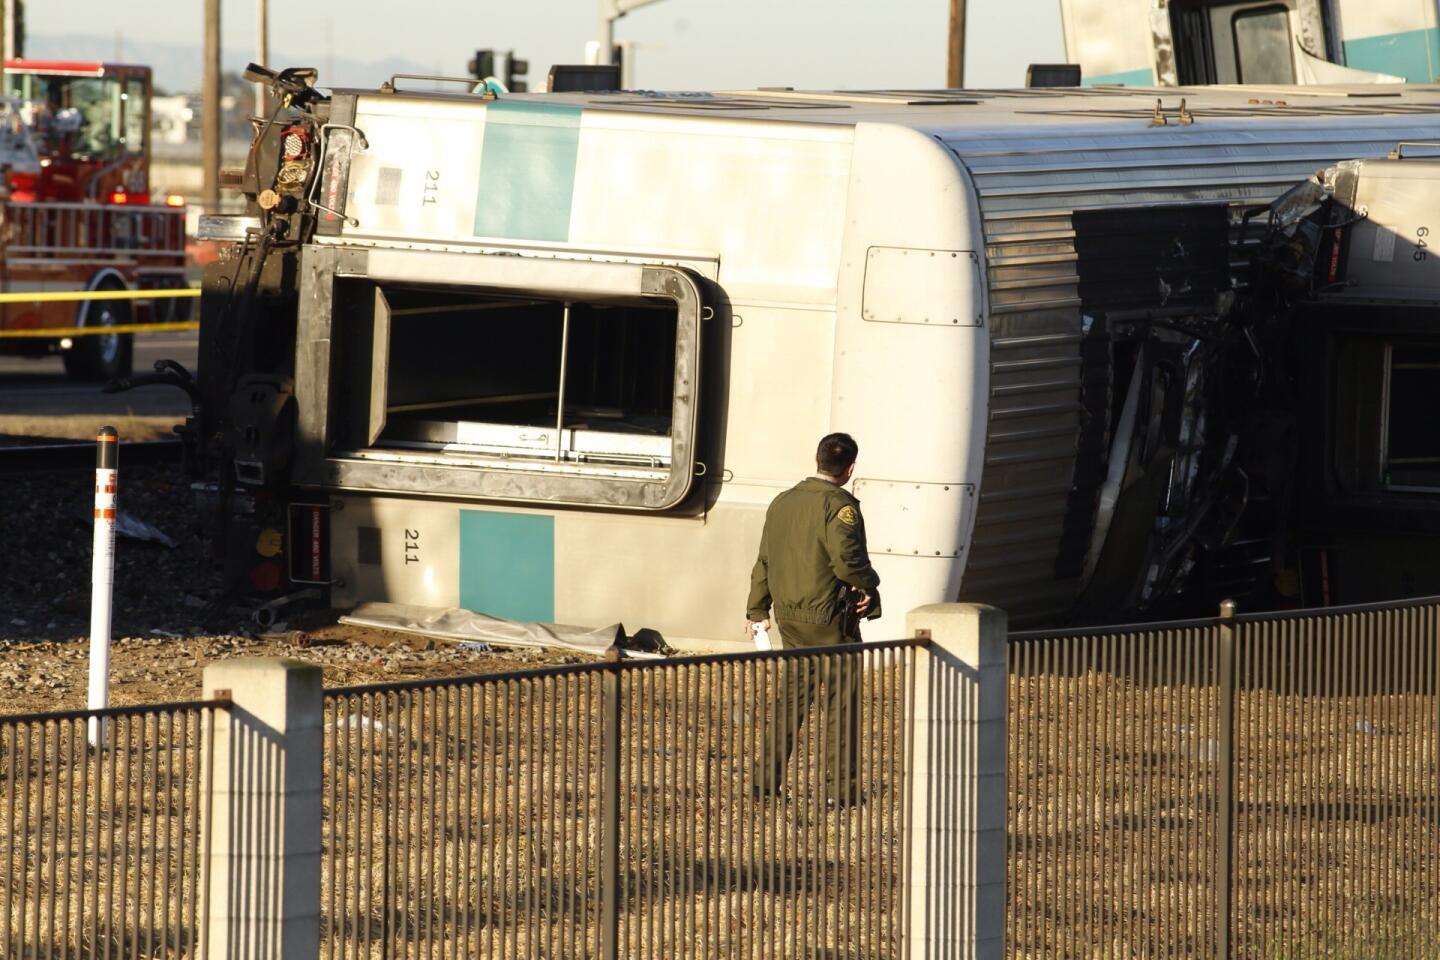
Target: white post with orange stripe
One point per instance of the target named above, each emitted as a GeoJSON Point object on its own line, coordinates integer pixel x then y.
{"type": "Point", "coordinates": [102, 576]}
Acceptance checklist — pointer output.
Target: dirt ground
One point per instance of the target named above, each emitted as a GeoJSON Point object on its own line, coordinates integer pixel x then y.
{"type": "Point", "coordinates": [47, 675]}
{"type": "Point", "coordinates": [170, 617]}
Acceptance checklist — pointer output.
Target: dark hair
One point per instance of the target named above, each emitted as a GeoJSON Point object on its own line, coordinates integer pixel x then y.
{"type": "Point", "coordinates": [836, 452]}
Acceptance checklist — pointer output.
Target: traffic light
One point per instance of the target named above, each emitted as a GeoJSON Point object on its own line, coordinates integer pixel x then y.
{"type": "Point", "coordinates": [515, 70]}
{"type": "Point", "coordinates": [482, 65]}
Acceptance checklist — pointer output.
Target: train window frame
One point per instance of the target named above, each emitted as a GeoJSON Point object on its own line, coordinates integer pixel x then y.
{"type": "Point", "coordinates": [1415, 466]}
{"type": "Point", "coordinates": [1255, 13]}
{"type": "Point", "coordinates": [337, 423]}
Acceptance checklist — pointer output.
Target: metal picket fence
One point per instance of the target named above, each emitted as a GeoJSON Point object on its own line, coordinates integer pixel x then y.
{"type": "Point", "coordinates": [1245, 786]}
{"type": "Point", "coordinates": [100, 852]}
{"type": "Point", "coordinates": [622, 809]}
{"type": "Point", "coordinates": [1250, 786]}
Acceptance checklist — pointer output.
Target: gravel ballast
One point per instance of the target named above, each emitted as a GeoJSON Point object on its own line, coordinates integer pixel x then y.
{"type": "Point", "coordinates": [170, 615]}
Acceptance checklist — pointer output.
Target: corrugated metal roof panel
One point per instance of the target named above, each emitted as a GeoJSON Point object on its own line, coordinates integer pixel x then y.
{"type": "Point", "coordinates": [1031, 180]}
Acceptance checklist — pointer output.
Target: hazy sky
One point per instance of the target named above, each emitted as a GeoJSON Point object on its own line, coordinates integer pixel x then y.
{"type": "Point", "coordinates": [681, 44]}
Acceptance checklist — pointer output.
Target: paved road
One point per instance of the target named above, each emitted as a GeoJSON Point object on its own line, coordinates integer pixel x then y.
{"type": "Point", "coordinates": [36, 398]}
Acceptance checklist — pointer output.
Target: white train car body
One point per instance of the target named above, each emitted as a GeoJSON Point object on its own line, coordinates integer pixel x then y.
{"type": "Point", "coordinates": [901, 266]}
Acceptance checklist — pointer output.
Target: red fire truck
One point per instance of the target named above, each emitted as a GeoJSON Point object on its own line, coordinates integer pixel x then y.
{"type": "Point", "coordinates": [79, 215]}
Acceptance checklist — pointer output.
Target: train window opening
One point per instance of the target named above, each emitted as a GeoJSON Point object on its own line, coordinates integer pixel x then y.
{"type": "Point", "coordinates": [1411, 437]}
{"type": "Point", "coordinates": [1247, 42]}
{"type": "Point", "coordinates": [1262, 45]}
{"type": "Point", "coordinates": [525, 377]}
{"type": "Point", "coordinates": [1190, 30]}
{"type": "Point", "coordinates": [499, 378]}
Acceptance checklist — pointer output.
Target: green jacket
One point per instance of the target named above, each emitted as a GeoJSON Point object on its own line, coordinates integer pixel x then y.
{"type": "Point", "coordinates": [813, 542]}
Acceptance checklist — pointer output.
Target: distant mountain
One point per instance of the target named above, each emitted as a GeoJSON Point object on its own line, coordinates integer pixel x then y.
{"type": "Point", "coordinates": [179, 68]}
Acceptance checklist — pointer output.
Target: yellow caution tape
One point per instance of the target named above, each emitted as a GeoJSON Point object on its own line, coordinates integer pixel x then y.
{"type": "Point", "coordinates": [61, 296]}
{"type": "Point", "coordinates": [53, 332]}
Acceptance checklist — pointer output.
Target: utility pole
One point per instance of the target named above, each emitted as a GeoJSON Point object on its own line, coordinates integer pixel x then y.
{"type": "Point", "coordinates": [955, 72]}
{"type": "Point", "coordinates": [210, 108]}
{"type": "Point", "coordinates": [610, 11]}
{"type": "Point", "coordinates": [262, 51]}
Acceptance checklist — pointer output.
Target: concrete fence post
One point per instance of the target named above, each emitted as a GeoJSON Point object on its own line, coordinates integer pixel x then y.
{"type": "Point", "coordinates": [264, 773]}
{"type": "Point", "coordinates": [956, 858]}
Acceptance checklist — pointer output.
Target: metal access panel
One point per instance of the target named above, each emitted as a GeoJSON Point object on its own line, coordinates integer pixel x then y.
{"type": "Point", "coordinates": [909, 509]}
{"type": "Point", "coordinates": [1390, 252]}
{"type": "Point", "coordinates": [936, 287]}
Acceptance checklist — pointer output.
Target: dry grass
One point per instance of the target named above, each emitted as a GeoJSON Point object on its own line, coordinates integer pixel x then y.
{"type": "Point", "coordinates": [99, 853]}
{"type": "Point", "coordinates": [1115, 814]}
{"type": "Point", "coordinates": [100, 850]}
{"type": "Point", "coordinates": [468, 822]}
{"type": "Point", "coordinates": [481, 812]}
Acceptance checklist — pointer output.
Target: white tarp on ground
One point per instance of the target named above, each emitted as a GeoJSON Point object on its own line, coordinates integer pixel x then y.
{"type": "Point", "coordinates": [452, 623]}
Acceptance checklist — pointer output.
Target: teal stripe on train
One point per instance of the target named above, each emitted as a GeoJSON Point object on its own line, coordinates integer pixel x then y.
{"type": "Point", "coordinates": [1128, 78]}
{"type": "Point", "coordinates": [507, 565]}
{"type": "Point", "coordinates": [527, 171]}
{"type": "Point", "coordinates": [1414, 54]}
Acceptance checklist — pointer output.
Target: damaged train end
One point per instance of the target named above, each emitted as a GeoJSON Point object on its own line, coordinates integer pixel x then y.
{"type": "Point", "coordinates": [549, 357]}
{"type": "Point", "coordinates": [1270, 424]}
{"type": "Point", "coordinates": [1173, 374]}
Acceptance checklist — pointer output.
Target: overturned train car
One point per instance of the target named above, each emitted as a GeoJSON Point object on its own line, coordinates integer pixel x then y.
{"type": "Point", "coordinates": [549, 357]}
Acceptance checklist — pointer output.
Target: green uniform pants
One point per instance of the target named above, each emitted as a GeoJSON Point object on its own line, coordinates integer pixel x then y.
{"type": "Point", "coordinates": [796, 689]}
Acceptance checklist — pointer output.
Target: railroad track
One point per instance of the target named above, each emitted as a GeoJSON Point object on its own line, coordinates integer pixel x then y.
{"type": "Point", "coordinates": [41, 457]}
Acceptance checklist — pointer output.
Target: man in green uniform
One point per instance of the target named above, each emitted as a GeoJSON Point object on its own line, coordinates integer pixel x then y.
{"type": "Point", "coordinates": [814, 569]}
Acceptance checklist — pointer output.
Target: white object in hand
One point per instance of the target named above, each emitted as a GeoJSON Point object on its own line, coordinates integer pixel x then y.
{"type": "Point", "coordinates": [762, 636]}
